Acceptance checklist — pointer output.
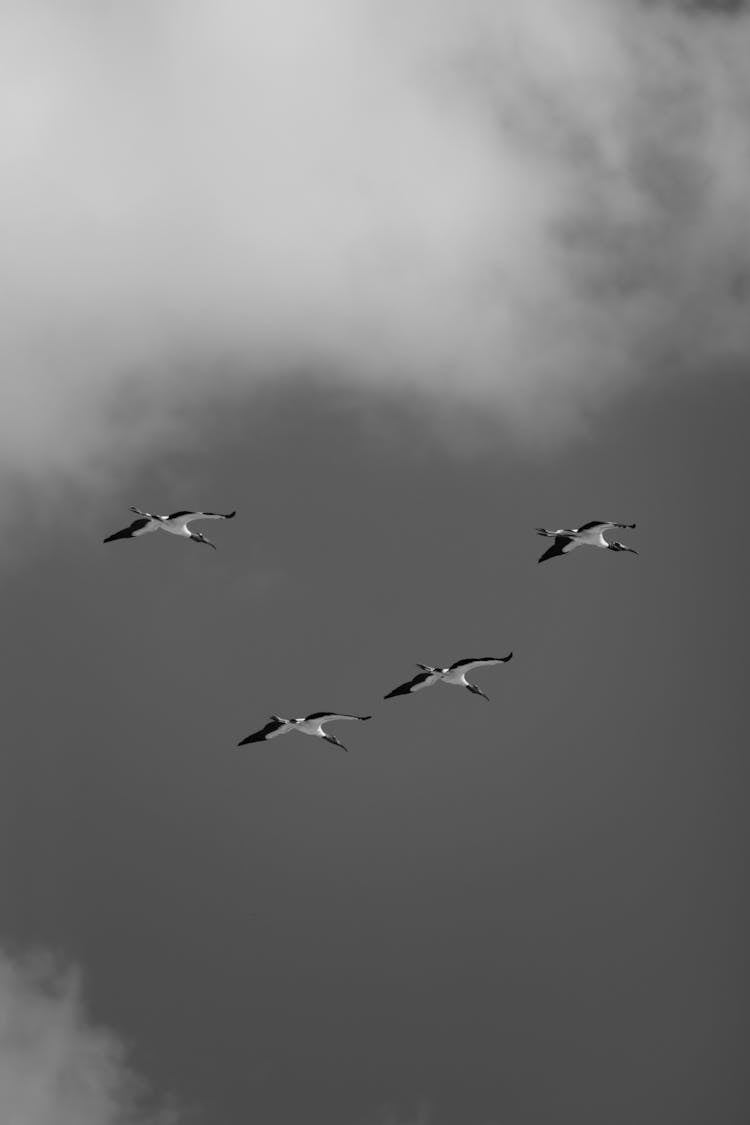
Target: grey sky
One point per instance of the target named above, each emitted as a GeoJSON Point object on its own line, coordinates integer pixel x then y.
{"type": "Point", "coordinates": [399, 283]}
{"type": "Point", "coordinates": [479, 908]}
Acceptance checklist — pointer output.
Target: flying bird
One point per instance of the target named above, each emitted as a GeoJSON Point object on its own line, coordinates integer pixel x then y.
{"type": "Point", "coordinates": [175, 524]}
{"type": "Point", "coordinates": [590, 534]}
{"type": "Point", "coordinates": [455, 674]}
{"type": "Point", "coordinates": [309, 724]}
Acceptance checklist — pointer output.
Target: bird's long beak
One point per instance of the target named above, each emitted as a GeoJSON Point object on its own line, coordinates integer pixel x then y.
{"type": "Point", "coordinates": [632, 550]}
{"type": "Point", "coordinates": [208, 543]}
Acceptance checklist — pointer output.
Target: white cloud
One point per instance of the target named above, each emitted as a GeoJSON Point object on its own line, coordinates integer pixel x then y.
{"type": "Point", "coordinates": [56, 1067]}
{"type": "Point", "coordinates": [522, 206]}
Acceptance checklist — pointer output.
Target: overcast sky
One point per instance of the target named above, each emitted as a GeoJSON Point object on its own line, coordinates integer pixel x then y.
{"type": "Point", "coordinates": [400, 282]}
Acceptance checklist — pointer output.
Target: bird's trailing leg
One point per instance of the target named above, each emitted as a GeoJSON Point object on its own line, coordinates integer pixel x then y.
{"type": "Point", "coordinates": [477, 691]}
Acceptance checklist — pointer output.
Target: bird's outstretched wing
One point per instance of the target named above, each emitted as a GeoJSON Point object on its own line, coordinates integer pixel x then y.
{"type": "Point", "coordinates": [270, 730]}
{"type": "Point", "coordinates": [137, 527]}
{"type": "Point", "coordinates": [476, 662]}
{"type": "Point", "coordinates": [182, 518]}
{"type": "Point", "coordinates": [603, 525]}
{"type": "Point", "coordinates": [423, 680]}
{"type": "Point", "coordinates": [559, 547]}
{"type": "Point", "coordinates": [594, 523]}
{"type": "Point", "coordinates": [329, 716]}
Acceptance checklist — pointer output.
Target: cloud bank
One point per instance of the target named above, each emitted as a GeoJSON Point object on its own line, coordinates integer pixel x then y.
{"type": "Point", "coordinates": [56, 1068]}
{"type": "Point", "coordinates": [524, 207]}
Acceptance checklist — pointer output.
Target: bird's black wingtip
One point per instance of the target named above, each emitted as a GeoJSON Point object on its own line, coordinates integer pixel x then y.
{"type": "Point", "coordinates": [230, 515]}
{"type": "Point", "coordinates": [364, 718]}
{"type": "Point", "coordinates": [507, 658]}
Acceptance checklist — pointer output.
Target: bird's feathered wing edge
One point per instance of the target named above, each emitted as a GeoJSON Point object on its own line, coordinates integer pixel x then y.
{"type": "Point", "coordinates": [557, 548]}
{"type": "Point", "coordinates": [330, 716]}
{"type": "Point", "coordinates": [187, 517]}
{"type": "Point", "coordinates": [135, 528]}
{"type": "Point", "coordinates": [423, 680]}
{"type": "Point", "coordinates": [594, 523]}
{"type": "Point", "coordinates": [475, 662]}
{"type": "Point", "coordinates": [270, 730]}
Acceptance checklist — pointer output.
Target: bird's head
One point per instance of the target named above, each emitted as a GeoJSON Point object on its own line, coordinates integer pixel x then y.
{"type": "Point", "coordinates": [621, 547]}
{"type": "Point", "coordinates": [199, 537]}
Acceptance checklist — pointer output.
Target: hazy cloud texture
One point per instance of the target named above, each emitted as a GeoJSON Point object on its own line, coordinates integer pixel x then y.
{"type": "Point", "coordinates": [522, 206]}
{"type": "Point", "coordinates": [56, 1068]}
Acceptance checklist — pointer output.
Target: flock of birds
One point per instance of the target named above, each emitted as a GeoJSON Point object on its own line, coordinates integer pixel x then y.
{"type": "Point", "coordinates": [566, 539]}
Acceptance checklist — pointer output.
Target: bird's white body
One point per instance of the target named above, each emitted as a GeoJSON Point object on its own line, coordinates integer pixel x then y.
{"type": "Point", "coordinates": [163, 523]}
{"type": "Point", "coordinates": [314, 727]}
{"type": "Point", "coordinates": [590, 537]}
{"type": "Point", "coordinates": [455, 676]}
{"type": "Point", "coordinates": [175, 525]}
